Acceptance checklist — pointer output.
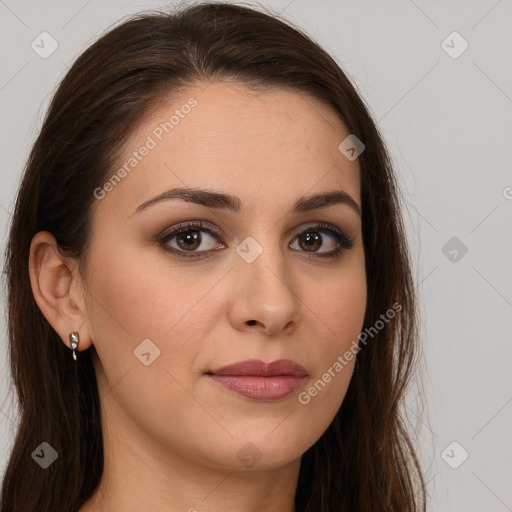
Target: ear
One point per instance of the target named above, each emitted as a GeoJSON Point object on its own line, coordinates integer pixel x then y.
{"type": "Point", "coordinates": [57, 289]}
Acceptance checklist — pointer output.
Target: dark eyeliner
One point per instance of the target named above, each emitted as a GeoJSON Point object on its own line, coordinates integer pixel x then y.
{"type": "Point", "coordinates": [167, 235]}
{"type": "Point", "coordinates": [344, 240]}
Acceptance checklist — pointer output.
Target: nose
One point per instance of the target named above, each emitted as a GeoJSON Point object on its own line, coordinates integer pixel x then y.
{"type": "Point", "coordinates": [263, 296]}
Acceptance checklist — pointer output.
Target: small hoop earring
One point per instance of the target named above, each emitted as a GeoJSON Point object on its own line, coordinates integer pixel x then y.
{"type": "Point", "coordinates": [74, 340]}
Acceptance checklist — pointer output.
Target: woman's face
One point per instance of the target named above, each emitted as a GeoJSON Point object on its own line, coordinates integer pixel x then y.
{"type": "Point", "coordinates": [261, 278]}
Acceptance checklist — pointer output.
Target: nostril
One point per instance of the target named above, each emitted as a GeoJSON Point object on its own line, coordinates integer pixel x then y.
{"type": "Point", "coordinates": [251, 322]}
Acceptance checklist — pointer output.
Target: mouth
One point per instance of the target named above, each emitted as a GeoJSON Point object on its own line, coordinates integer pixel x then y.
{"type": "Point", "coordinates": [261, 381]}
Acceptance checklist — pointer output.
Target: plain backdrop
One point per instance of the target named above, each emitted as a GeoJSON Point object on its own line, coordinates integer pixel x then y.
{"type": "Point", "coordinates": [437, 77]}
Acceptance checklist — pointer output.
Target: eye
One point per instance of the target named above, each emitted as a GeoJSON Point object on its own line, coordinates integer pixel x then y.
{"type": "Point", "coordinates": [323, 236]}
{"type": "Point", "coordinates": [190, 238]}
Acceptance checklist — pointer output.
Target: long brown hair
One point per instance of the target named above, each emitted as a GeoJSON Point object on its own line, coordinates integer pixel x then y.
{"type": "Point", "coordinates": [365, 460]}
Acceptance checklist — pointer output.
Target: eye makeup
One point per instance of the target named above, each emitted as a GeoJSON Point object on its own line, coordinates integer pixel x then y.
{"type": "Point", "coordinates": [189, 233]}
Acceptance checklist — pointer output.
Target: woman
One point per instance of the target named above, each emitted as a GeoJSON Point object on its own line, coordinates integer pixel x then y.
{"type": "Point", "coordinates": [210, 298]}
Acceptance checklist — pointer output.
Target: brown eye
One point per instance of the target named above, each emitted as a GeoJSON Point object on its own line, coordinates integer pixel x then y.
{"type": "Point", "coordinates": [310, 241]}
{"type": "Point", "coordinates": [322, 240]}
{"type": "Point", "coordinates": [189, 240]}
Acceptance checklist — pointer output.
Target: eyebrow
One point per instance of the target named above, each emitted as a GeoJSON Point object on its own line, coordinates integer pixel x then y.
{"type": "Point", "coordinates": [212, 199]}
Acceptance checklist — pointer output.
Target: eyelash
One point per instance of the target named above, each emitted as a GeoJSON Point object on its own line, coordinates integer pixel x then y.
{"type": "Point", "coordinates": [344, 241]}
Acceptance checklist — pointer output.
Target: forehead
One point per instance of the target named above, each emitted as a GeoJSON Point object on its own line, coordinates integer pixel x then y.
{"type": "Point", "coordinates": [269, 145]}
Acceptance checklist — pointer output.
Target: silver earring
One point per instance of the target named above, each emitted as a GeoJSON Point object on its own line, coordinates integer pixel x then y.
{"type": "Point", "coordinates": [74, 340]}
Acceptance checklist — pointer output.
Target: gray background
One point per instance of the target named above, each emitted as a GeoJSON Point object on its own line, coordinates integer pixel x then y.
{"type": "Point", "coordinates": [447, 122]}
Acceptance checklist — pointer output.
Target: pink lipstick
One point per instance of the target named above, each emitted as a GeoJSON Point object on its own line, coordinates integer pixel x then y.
{"type": "Point", "coordinates": [261, 381]}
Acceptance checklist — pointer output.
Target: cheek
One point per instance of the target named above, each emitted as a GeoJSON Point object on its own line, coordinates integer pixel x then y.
{"type": "Point", "coordinates": [134, 299]}
{"type": "Point", "coordinates": [338, 315]}
{"type": "Point", "coordinates": [339, 306]}
{"type": "Point", "coordinates": [141, 296]}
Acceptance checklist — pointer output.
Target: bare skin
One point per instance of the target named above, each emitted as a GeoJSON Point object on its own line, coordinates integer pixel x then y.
{"type": "Point", "coordinates": [174, 439]}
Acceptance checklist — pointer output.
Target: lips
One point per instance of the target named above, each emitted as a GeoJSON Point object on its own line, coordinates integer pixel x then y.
{"type": "Point", "coordinates": [261, 381]}
{"type": "Point", "coordinates": [259, 368]}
